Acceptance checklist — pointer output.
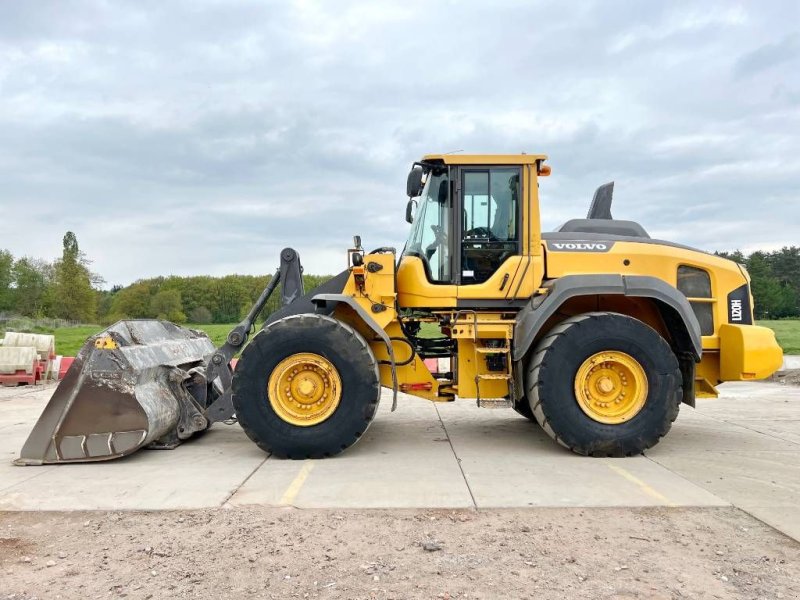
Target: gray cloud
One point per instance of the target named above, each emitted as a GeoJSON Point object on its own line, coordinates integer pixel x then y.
{"type": "Point", "coordinates": [202, 137]}
{"type": "Point", "coordinates": [769, 55]}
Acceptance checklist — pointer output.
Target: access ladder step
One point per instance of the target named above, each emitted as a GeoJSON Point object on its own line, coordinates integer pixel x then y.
{"type": "Point", "coordinates": [484, 350]}
{"type": "Point", "coordinates": [493, 376]}
{"type": "Point", "coordinates": [494, 403]}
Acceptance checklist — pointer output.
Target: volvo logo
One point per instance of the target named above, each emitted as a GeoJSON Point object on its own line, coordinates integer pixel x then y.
{"type": "Point", "coordinates": [579, 246]}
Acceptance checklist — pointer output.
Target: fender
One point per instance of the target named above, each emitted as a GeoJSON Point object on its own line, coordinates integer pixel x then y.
{"type": "Point", "coordinates": [679, 312]}
{"type": "Point", "coordinates": [329, 301]}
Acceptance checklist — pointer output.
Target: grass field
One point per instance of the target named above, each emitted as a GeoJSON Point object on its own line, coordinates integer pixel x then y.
{"type": "Point", "coordinates": [788, 333]}
{"type": "Point", "coordinates": [70, 339]}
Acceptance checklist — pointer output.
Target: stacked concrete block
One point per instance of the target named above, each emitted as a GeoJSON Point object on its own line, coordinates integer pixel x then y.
{"type": "Point", "coordinates": [26, 358]}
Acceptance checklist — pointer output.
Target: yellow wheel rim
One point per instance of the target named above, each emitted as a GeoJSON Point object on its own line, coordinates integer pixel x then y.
{"type": "Point", "coordinates": [611, 387]}
{"type": "Point", "coordinates": [304, 389]}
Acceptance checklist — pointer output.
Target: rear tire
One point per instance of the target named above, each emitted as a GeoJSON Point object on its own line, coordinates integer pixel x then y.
{"type": "Point", "coordinates": [557, 363]}
{"type": "Point", "coordinates": [338, 344]}
{"type": "Point", "coordinates": [523, 407]}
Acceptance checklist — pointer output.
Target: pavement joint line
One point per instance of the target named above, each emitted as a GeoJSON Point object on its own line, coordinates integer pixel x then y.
{"type": "Point", "coordinates": [26, 391]}
{"type": "Point", "coordinates": [772, 435]}
{"type": "Point", "coordinates": [41, 468]}
{"type": "Point", "coordinates": [455, 455]}
{"type": "Point", "coordinates": [294, 488]}
{"type": "Point", "coordinates": [647, 489]}
{"type": "Point", "coordinates": [761, 520]}
{"type": "Point", "coordinates": [699, 413]}
{"type": "Point", "coordinates": [245, 480]}
{"type": "Point", "coordinates": [696, 483]}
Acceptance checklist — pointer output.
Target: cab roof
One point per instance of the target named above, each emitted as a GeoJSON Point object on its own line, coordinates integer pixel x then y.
{"type": "Point", "coordinates": [486, 159]}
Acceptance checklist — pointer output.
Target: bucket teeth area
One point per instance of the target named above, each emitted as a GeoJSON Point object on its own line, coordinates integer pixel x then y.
{"type": "Point", "coordinates": [125, 390]}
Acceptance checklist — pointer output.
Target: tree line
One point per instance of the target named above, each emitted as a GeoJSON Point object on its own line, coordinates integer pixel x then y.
{"type": "Point", "coordinates": [199, 299]}
{"type": "Point", "coordinates": [67, 289]}
{"type": "Point", "coordinates": [62, 289]}
{"type": "Point", "coordinates": [775, 280]}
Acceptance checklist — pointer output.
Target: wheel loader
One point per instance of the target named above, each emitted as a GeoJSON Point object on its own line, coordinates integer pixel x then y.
{"type": "Point", "coordinates": [595, 331]}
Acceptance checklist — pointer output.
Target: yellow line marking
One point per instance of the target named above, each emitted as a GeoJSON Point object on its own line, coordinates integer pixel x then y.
{"type": "Point", "coordinates": [294, 488]}
{"type": "Point", "coordinates": [642, 485]}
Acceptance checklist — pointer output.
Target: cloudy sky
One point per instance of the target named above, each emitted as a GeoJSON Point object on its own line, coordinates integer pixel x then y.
{"type": "Point", "coordinates": [202, 137]}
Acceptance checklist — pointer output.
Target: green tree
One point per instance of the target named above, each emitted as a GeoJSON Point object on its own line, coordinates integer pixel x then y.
{"type": "Point", "coordinates": [105, 304]}
{"type": "Point", "coordinates": [198, 291]}
{"type": "Point", "coordinates": [232, 294]}
{"type": "Point", "coordinates": [6, 277]}
{"type": "Point", "coordinates": [785, 265]}
{"type": "Point", "coordinates": [132, 302]}
{"type": "Point", "coordinates": [735, 256]}
{"type": "Point", "coordinates": [200, 315]}
{"type": "Point", "coordinates": [33, 287]}
{"type": "Point", "coordinates": [74, 296]}
{"type": "Point", "coordinates": [772, 299]}
{"type": "Point", "coordinates": [167, 305]}
{"type": "Point", "coordinates": [204, 299]}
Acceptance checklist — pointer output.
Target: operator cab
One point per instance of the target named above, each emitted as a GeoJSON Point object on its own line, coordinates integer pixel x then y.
{"type": "Point", "coordinates": [467, 219]}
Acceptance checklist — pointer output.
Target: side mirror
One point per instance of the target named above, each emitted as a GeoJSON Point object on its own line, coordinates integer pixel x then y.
{"type": "Point", "coordinates": [414, 182]}
{"type": "Point", "coordinates": [410, 210]}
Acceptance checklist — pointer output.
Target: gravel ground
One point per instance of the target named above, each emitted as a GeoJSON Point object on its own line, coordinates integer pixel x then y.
{"type": "Point", "coordinates": [790, 376]}
{"type": "Point", "coordinates": [288, 553]}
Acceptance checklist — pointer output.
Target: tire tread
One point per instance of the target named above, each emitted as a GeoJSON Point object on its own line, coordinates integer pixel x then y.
{"type": "Point", "coordinates": [533, 385]}
{"type": "Point", "coordinates": [366, 358]}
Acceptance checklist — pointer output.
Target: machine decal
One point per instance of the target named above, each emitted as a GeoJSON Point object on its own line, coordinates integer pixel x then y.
{"type": "Point", "coordinates": [579, 246]}
{"type": "Point", "coordinates": [739, 311]}
{"type": "Point", "coordinates": [105, 342]}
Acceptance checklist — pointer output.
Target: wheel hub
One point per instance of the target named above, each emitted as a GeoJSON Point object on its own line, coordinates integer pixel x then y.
{"type": "Point", "coordinates": [605, 385]}
{"type": "Point", "coordinates": [304, 389]}
{"type": "Point", "coordinates": [611, 387]}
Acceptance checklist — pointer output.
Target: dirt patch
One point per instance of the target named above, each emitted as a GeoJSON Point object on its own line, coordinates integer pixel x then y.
{"type": "Point", "coordinates": [289, 553]}
{"type": "Point", "coordinates": [11, 547]}
{"type": "Point", "coordinates": [789, 376]}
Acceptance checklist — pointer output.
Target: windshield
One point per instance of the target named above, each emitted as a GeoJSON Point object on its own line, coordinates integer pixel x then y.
{"type": "Point", "coordinates": [430, 233]}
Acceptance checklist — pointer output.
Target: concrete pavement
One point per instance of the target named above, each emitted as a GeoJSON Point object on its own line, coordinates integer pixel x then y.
{"type": "Point", "coordinates": [790, 361]}
{"type": "Point", "coordinates": [741, 449]}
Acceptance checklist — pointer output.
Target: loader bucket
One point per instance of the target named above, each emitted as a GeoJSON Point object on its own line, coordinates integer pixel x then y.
{"type": "Point", "coordinates": [126, 389]}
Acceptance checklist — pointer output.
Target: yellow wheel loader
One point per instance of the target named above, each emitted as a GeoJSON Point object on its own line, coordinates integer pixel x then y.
{"type": "Point", "coordinates": [595, 331]}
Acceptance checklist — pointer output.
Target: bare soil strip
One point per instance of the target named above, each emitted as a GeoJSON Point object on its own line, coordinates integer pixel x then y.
{"type": "Point", "coordinates": [653, 553]}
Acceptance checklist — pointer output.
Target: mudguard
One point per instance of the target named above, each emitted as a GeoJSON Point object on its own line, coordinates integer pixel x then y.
{"type": "Point", "coordinates": [531, 318]}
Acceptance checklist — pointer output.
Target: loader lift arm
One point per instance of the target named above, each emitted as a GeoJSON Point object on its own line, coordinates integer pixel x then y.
{"type": "Point", "coordinates": [145, 383]}
{"type": "Point", "coordinates": [219, 373]}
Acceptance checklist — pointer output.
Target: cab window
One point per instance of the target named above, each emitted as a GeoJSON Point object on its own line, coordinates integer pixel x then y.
{"type": "Point", "coordinates": [490, 221]}
{"type": "Point", "coordinates": [429, 238]}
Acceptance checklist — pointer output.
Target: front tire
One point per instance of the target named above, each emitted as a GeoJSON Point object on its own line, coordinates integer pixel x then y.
{"type": "Point", "coordinates": [604, 384]}
{"type": "Point", "coordinates": [307, 386]}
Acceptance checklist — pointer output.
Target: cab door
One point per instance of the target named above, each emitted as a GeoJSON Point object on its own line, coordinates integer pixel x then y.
{"type": "Point", "coordinates": [493, 266]}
